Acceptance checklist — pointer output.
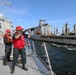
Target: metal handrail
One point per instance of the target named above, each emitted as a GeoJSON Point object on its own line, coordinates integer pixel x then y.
{"type": "Point", "coordinates": [34, 47]}
{"type": "Point", "coordinates": [47, 56]}
{"type": "Point", "coordinates": [48, 59]}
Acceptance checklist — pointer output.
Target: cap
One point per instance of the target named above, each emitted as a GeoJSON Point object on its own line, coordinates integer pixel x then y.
{"type": "Point", "coordinates": [19, 28]}
{"type": "Point", "coordinates": [8, 31]}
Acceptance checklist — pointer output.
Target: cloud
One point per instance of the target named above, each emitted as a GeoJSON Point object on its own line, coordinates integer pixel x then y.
{"type": "Point", "coordinates": [18, 20]}
{"type": "Point", "coordinates": [62, 20]}
{"type": "Point", "coordinates": [15, 10]}
{"type": "Point", "coordinates": [18, 11]}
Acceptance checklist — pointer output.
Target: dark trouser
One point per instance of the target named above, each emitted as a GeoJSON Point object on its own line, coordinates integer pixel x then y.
{"type": "Point", "coordinates": [16, 53]}
{"type": "Point", "coordinates": [8, 49]}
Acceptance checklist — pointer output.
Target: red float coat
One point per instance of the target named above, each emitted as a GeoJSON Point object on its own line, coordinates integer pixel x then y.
{"type": "Point", "coordinates": [20, 42]}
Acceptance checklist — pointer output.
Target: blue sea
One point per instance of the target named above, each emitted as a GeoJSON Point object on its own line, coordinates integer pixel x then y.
{"type": "Point", "coordinates": [62, 57]}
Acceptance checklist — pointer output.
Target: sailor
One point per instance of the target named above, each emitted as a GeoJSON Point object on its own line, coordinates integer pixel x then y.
{"type": "Point", "coordinates": [19, 48]}
{"type": "Point", "coordinates": [7, 38]}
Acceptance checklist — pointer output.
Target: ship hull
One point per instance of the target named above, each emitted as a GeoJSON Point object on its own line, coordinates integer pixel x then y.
{"type": "Point", "coordinates": [69, 40]}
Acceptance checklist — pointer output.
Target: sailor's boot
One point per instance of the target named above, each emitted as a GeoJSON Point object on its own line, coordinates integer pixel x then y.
{"type": "Point", "coordinates": [4, 63]}
{"type": "Point", "coordinates": [24, 68]}
{"type": "Point", "coordinates": [12, 70]}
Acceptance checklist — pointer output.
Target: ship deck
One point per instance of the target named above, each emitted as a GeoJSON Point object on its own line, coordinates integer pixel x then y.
{"type": "Point", "coordinates": [34, 65]}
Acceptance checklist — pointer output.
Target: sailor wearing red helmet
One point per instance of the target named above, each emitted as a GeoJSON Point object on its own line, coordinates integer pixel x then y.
{"type": "Point", "coordinates": [7, 38]}
{"type": "Point", "coordinates": [8, 31]}
{"type": "Point", "coordinates": [19, 48]}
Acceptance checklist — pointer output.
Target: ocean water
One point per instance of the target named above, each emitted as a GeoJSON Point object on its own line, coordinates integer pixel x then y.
{"type": "Point", "coordinates": [62, 57]}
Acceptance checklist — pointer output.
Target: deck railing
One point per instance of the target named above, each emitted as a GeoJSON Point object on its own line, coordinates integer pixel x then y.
{"type": "Point", "coordinates": [36, 47]}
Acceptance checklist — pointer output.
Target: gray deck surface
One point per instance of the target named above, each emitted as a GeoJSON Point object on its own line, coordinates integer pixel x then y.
{"type": "Point", "coordinates": [33, 68]}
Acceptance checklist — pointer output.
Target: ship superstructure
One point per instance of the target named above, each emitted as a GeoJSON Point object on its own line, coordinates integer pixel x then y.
{"type": "Point", "coordinates": [42, 29]}
{"type": "Point", "coordinates": [4, 24]}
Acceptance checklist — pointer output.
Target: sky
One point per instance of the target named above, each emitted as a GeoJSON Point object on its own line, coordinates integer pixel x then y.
{"type": "Point", "coordinates": [27, 13]}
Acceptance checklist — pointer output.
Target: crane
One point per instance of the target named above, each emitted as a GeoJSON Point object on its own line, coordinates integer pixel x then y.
{"type": "Point", "coordinates": [4, 2]}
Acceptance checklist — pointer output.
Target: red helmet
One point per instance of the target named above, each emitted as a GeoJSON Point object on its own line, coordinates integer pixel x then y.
{"type": "Point", "coordinates": [19, 28]}
{"type": "Point", "coordinates": [8, 31]}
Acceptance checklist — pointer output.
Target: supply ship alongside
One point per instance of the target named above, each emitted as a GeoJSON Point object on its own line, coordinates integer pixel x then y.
{"type": "Point", "coordinates": [44, 32]}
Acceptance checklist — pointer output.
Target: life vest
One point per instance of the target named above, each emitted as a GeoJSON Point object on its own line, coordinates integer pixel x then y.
{"type": "Point", "coordinates": [19, 43]}
{"type": "Point", "coordinates": [9, 38]}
